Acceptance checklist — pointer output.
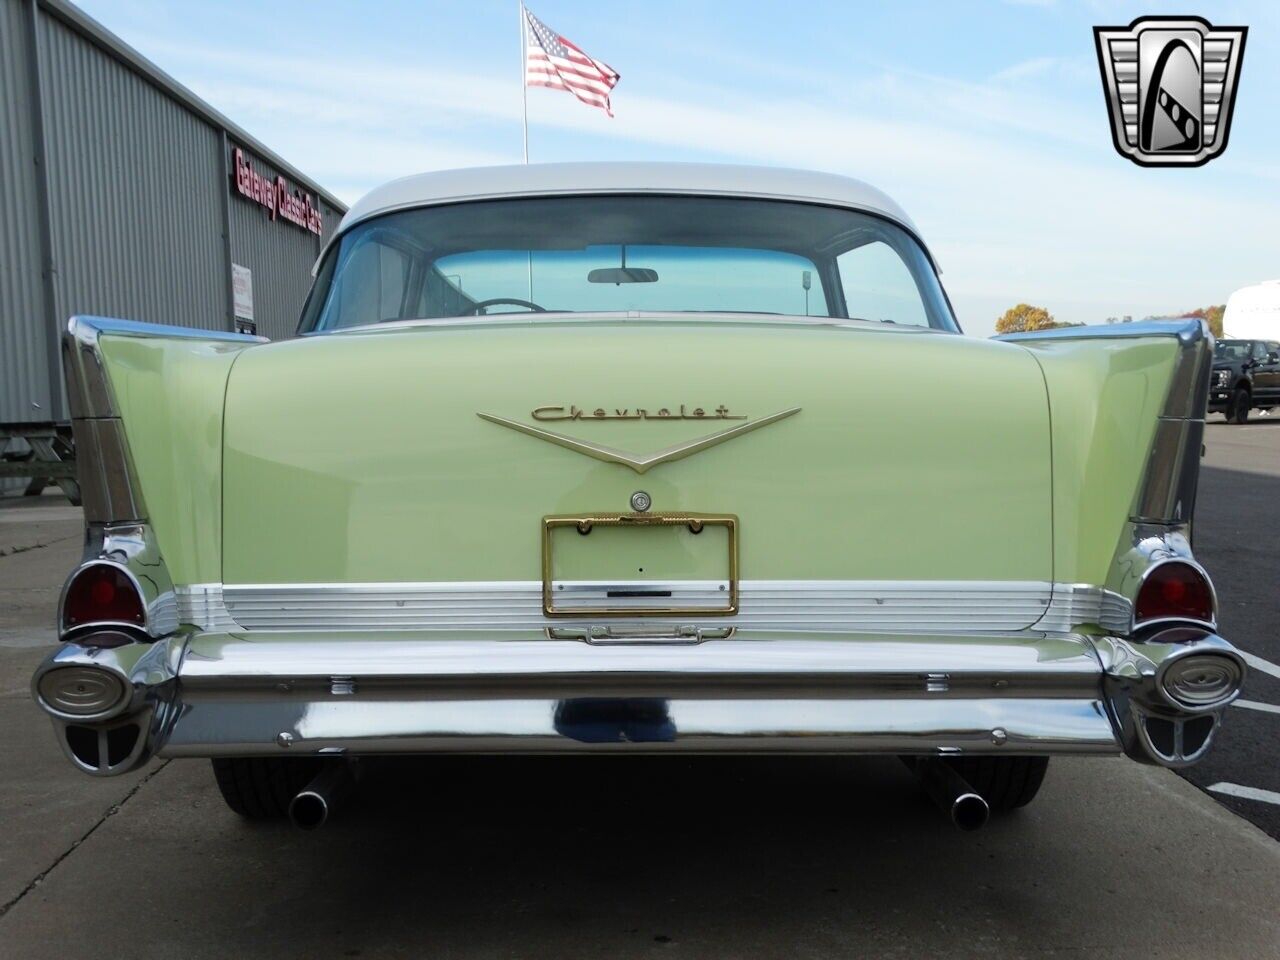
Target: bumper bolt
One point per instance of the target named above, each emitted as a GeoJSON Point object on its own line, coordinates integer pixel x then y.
{"type": "Point", "coordinates": [999, 737]}
{"type": "Point", "coordinates": [284, 738]}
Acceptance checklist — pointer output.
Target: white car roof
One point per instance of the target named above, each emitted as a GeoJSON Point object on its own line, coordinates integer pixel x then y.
{"type": "Point", "coordinates": [550, 179]}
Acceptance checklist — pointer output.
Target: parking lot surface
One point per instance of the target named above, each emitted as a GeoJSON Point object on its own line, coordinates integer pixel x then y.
{"type": "Point", "coordinates": [569, 857]}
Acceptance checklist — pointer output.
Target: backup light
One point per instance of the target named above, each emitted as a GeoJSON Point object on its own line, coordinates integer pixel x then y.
{"type": "Point", "coordinates": [1174, 590]}
{"type": "Point", "coordinates": [101, 593]}
{"type": "Point", "coordinates": [81, 691]}
{"type": "Point", "coordinates": [1202, 681]}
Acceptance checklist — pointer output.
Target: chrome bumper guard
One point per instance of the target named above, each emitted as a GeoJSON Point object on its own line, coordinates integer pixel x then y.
{"type": "Point", "coordinates": [207, 695]}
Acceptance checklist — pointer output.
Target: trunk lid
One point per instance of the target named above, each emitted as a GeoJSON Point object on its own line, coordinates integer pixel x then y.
{"type": "Point", "coordinates": [361, 457]}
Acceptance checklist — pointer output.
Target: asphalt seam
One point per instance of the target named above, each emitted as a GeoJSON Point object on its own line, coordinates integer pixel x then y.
{"type": "Point", "coordinates": [111, 812]}
{"type": "Point", "coordinates": [35, 546]}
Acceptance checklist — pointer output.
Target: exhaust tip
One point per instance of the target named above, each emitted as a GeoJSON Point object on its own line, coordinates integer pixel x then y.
{"type": "Point", "coordinates": [308, 810]}
{"type": "Point", "coordinates": [970, 812]}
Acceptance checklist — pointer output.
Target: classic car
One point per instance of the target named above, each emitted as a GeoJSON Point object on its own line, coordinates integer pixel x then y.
{"type": "Point", "coordinates": [635, 458]}
{"type": "Point", "coordinates": [1246, 376]}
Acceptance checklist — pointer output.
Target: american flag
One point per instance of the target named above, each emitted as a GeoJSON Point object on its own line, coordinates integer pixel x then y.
{"type": "Point", "coordinates": [552, 61]}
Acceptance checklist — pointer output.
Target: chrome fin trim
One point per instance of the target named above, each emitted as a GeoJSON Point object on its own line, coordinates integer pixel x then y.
{"type": "Point", "coordinates": [200, 605]}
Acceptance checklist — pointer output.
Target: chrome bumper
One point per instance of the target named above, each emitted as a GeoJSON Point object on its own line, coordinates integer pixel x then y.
{"type": "Point", "coordinates": [206, 695]}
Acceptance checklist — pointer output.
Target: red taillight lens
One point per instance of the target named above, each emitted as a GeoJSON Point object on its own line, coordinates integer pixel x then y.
{"type": "Point", "coordinates": [1174, 590]}
{"type": "Point", "coordinates": [101, 594]}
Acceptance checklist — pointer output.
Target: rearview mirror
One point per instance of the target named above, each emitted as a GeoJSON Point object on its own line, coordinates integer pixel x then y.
{"type": "Point", "coordinates": [623, 275]}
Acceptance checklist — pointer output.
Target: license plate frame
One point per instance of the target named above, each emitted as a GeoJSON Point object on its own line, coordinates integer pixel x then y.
{"type": "Point", "coordinates": [694, 521]}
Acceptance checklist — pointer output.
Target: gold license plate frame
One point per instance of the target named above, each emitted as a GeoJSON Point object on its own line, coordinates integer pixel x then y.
{"type": "Point", "coordinates": [694, 521]}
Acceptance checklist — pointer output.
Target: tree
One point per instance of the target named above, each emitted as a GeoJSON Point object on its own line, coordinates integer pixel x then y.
{"type": "Point", "coordinates": [1025, 317]}
{"type": "Point", "coordinates": [1211, 316]}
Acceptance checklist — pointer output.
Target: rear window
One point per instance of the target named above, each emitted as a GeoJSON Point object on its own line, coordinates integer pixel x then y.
{"type": "Point", "coordinates": [610, 254]}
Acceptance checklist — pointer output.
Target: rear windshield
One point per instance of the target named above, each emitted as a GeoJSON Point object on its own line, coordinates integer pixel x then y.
{"type": "Point", "coordinates": [606, 254]}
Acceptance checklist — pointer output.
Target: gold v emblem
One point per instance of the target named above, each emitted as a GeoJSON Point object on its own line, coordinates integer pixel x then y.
{"type": "Point", "coordinates": [639, 462]}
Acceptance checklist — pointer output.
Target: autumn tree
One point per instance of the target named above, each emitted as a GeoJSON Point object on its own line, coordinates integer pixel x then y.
{"type": "Point", "coordinates": [1211, 316]}
{"type": "Point", "coordinates": [1025, 317]}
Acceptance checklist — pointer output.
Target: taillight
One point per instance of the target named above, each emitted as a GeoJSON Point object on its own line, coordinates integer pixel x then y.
{"type": "Point", "coordinates": [1174, 590]}
{"type": "Point", "coordinates": [101, 593]}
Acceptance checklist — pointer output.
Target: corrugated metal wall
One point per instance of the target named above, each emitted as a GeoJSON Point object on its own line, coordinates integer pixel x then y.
{"type": "Point", "coordinates": [133, 192]}
{"type": "Point", "coordinates": [24, 369]}
{"type": "Point", "coordinates": [136, 196]}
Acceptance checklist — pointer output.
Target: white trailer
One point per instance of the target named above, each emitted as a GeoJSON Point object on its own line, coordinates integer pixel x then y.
{"type": "Point", "coordinates": [1253, 313]}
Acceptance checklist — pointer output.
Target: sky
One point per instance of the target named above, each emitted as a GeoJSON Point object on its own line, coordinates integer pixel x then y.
{"type": "Point", "coordinates": [985, 120]}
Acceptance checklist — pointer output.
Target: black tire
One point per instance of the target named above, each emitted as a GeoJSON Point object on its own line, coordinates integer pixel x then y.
{"type": "Point", "coordinates": [1238, 412]}
{"type": "Point", "coordinates": [1006, 783]}
{"type": "Point", "coordinates": [260, 788]}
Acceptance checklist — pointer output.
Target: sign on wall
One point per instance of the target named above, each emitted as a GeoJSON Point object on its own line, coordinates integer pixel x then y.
{"type": "Point", "coordinates": [242, 292]}
{"type": "Point", "coordinates": [294, 206]}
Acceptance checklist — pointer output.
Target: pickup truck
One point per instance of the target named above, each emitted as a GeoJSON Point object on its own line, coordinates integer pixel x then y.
{"type": "Point", "coordinates": [1246, 376]}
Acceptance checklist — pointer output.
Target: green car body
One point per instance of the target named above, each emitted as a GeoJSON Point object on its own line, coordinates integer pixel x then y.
{"type": "Point", "coordinates": [884, 538]}
{"type": "Point", "coordinates": [430, 492]}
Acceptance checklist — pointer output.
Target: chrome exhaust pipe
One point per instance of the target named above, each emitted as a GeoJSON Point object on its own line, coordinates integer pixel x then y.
{"type": "Point", "coordinates": [950, 791]}
{"type": "Point", "coordinates": [314, 803]}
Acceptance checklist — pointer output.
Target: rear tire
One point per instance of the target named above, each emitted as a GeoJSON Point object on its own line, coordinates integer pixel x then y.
{"type": "Point", "coordinates": [1006, 783]}
{"type": "Point", "coordinates": [1238, 412]}
{"type": "Point", "coordinates": [260, 788]}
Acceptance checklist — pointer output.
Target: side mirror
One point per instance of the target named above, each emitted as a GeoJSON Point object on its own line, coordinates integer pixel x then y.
{"type": "Point", "coordinates": [1273, 356]}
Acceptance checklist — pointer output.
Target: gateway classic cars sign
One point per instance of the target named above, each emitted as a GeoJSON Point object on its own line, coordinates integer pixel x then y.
{"type": "Point", "coordinates": [293, 206]}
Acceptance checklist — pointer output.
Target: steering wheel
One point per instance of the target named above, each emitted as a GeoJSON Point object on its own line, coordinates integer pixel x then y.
{"type": "Point", "coordinates": [478, 307]}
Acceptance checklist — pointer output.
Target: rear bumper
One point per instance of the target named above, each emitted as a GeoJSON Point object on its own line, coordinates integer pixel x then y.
{"type": "Point", "coordinates": [206, 695]}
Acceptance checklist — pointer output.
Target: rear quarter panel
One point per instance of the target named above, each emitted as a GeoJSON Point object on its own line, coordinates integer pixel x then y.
{"type": "Point", "coordinates": [1104, 399]}
{"type": "Point", "coordinates": [170, 393]}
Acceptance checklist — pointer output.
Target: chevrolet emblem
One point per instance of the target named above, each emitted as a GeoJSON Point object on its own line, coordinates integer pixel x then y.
{"type": "Point", "coordinates": [640, 463]}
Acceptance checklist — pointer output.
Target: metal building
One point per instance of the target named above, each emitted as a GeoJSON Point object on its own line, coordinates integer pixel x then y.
{"type": "Point", "coordinates": [123, 194]}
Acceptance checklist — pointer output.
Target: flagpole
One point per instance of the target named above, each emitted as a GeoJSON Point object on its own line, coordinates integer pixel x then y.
{"type": "Point", "coordinates": [524, 101]}
{"type": "Point", "coordinates": [524, 85]}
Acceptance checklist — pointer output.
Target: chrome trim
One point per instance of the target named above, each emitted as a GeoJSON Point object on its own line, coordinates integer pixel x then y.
{"type": "Point", "coordinates": [1051, 664]}
{"type": "Point", "coordinates": [566, 598]}
{"type": "Point", "coordinates": [321, 693]}
{"type": "Point", "coordinates": [815, 605]}
{"type": "Point", "coordinates": [639, 462]}
{"type": "Point", "coordinates": [586, 597]}
{"type": "Point", "coordinates": [563, 318]}
{"type": "Point", "coordinates": [771, 692]}
{"type": "Point", "coordinates": [149, 673]}
{"type": "Point", "coordinates": [109, 486]}
{"type": "Point", "coordinates": [1133, 674]}
{"type": "Point", "coordinates": [222, 726]}
{"type": "Point", "coordinates": [1148, 546]}
{"type": "Point", "coordinates": [1188, 330]}
{"type": "Point", "coordinates": [201, 605]}
{"type": "Point", "coordinates": [88, 328]}
{"type": "Point", "coordinates": [86, 693]}
{"type": "Point", "coordinates": [1078, 604]}
{"type": "Point", "coordinates": [130, 548]}
{"type": "Point", "coordinates": [1188, 395]}
{"type": "Point", "coordinates": [1168, 490]}
{"type": "Point", "coordinates": [639, 633]}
